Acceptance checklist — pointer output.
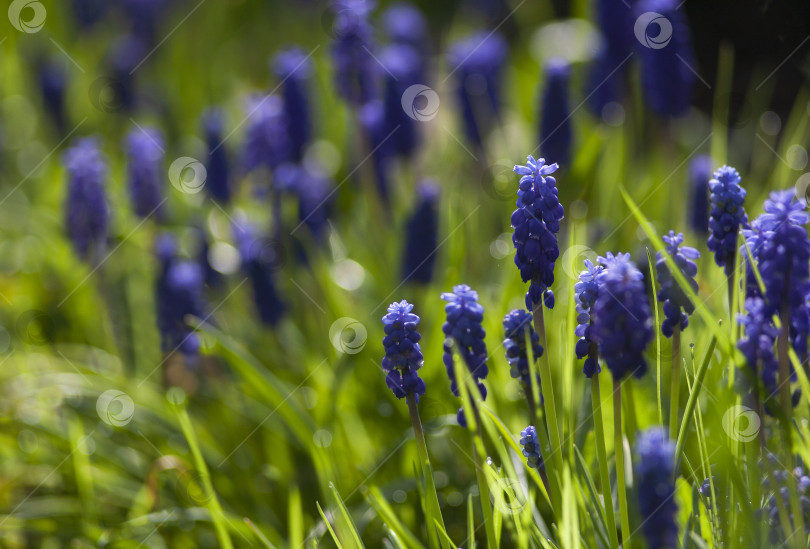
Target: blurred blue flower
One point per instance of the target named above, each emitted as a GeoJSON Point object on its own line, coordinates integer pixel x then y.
{"type": "Point", "coordinates": [677, 306]}
{"type": "Point", "coordinates": [515, 326]}
{"type": "Point", "coordinates": [666, 56]}
{"type": "Point", "coordinates": [87, 214]}
{"type": "Point", "coordinates": [314, 192]}
{"type": "Point", "coordinates": [293, 67]}
{"type": "Point", "coordinates": [586, 290]}
{"type": "Point", "coordinates": [555, 117]}
{"type": "Point", "coordinates": [464, 331]}
{"type": "Point", "coordinates": [536, 222]}
{"type": "Point", "coordinates": [145, 170]}
{"type": "Point", "coordinates": [403, 357]}
{"type": "Point", "coordinates": [217, 167]}
{"type": "Point", "coordinates": [757, 343]}
{"type": "Point", "coordinates": [402, 70]}
{"type": "Point", "coordinates": [621, 319]}
{"type": "Point", "coordinates": [700, 172]}
{"type": "Point", "coordinates": [422, 236]}
{"type": "Point", "coordinates": [354, 65]}
{"type": "Point", "coordinates": [655, 469]}
{"type": "Point", "coordinates": [266, 141]}
{"type": "Point", "coordinates": [260, 261]}
{"type": "Point", "coordinates": [372, 119]}
{"type": "Point", "coordinates": [531, 448]}
{"type": "Point", "coordinates": [52, 83]}
{"type": "Point", "coordinates": [727, 216]}
{"type": "Point", "coordinates": [405, 24]}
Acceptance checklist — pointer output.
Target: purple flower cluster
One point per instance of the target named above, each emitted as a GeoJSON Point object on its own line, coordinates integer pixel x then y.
{"type": "Point", "coordinates": [531, 447]}
{"type": "Point", "coordinates": [293, 68]}
{"type": "Point", "coordinates": [145, 169]}
{"type": "Point", "coordinates": [87, 215]}
{"type": "Point", "coordinates": [266, 141]}
{"type": "Point", "coordinates": [464, 331]}
{"type": "Point", "coordinates": [536, 222]}
{"type": "Point", "coordinates": [586, 290]}
{"type": "Point", "coordinates": [355, 68]}
{"type": "Point", "coordinates": [555, 118]}
{"type": "Point", "coordinates": [757, 343]}
{"type": "Point", "coordinates": [403, 357]}
{"type": "Point", "coordinates": [656, 488]}
{"type": "Point", "coordinates": [422, 236]}
{"type": "Point", "coordinates": [516, 324]}
{"type": "Point", "coordinates": [727, 216]}
{"type": "Point", "coordinates": [677, 306]}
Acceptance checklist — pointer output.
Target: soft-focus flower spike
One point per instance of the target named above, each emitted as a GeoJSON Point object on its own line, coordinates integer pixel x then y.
{"type": "Point", "coordinates": [293, 68]}
{"type": "Point", "coordinates": [52, 83]}
{"type": "Point", "coordinates": [531, 448]}
{"type": "Point", "coordinates": [217, 183]}
{"type": "Point", "coordinates": [621, 317]}
{"type": "Point", "coordinates": [422, 236]}
{"type": "Point", "coordinates": [780, 494]}
{"type": "Point", "coordinates": [758, 342]}
{"type": "Point", "coordinates": [700, 172]}
{"type": "Point", "coordinates": [515, 324]}
{"type": "Point", "coordinates": [355, 68]}
{"type": "Point", "coordinates": [667, 60]}
{"type": "Point", "coordinates": [536, 222]}
{"type": "Point", "coordinates": [372, 119]}
{"type": "Point", "coordinates": [464, 331]}
{"type": "Point", "coordinates": [677, 306]}
{"type": "Point", "coordinates": [145, 152]}
{"type": "Point", "coordinates": [260, 261]}
{"type": "Point", "coordinates": [476, 63]}
{"type": "Point", "coordinates": [313, 190]}
{"type": "Point", "coordinates": [87, 215]}
{"type": "Point", "coordinates": [402, 70]}
{"type": "Point", "coordinates": [555, 116]}
{"type": "Point", "coordinates": [403, 357]}
{"type": "Point", "coordinates": [727, 216]}
{"type": "Point", "coordinates": [266, 142]}
{"type": "Point", "coordinates": [655, 468]}
{"type": "Point", "coordinates": [586, 290]}
{"type": "Point", "coordinates": [405, 24]}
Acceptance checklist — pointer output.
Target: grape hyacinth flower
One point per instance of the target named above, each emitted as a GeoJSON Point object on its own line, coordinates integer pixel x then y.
{"type": "Point", "coordinates": [781, 491]}
{"type": "Point", "coordinates": [757, 344]}
{"type": "Point", "coordinates": [405, 24]}
{"type": "Point", "coordinates": [783, 257]}
{"type": "Point", "coordinates": [586, 290]}
{"type": "Point", "coordinates": [52, 84]}
{"type": "Point", "coordinates": [422, 236]}
{"type": "Point", "coordinates": [354, 66]}
{"type": "Point", "coordinates": [179, 293]}
{"type": "Point", "coordinates": [372, 120]}
{"type": "Point", "coordinates": [87, 214]}
{"type": "Point", "coordinates": [727, 216]}
{"type": "Point", "coordinates": [477, 62]}
{"type": "Point", "coordinates": [666, 56]}
{"type": "Point", "coordinates": [293, 68]}
{"type": "Point", "coordinates": [313, 191]}
{"type": "Point", "coordinates": [403, 357]}
{"type": "Point", "coordinates": [402, 70]}
{"type": "Point", "coordinates": [536, 222]}
{"type": "Point", "coordinates": [677, 306]}
{"type": "Point", "coordinates": [217, 182]}
{"type": "Point", "coordinates": [656, 488]}
{"type": "Point", "coordinates": [463, 330]}
{"type": "Point", "coordinates": [700, 172]}
{"type": "Point", "coordinates": [145, 152]}
{"type": "Point", "coordinates": [260, 261]}
{"type": "Point", "coordinates": [555, 117]}
{"type": "Point", "coordinates": [515, 324]}
{"type": "Point", "coordinates": [266, 141]}
{"type": "Point", "coordinates": [531, 447]}
{"type": "Point", "coordinates": [621, 317]}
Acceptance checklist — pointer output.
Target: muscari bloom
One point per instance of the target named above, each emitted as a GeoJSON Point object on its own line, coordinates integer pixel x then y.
{"type": "Point", "coordinates": [779, 243]}
{"type": "Point", "coordinates": [313, 189]}
{"type": "Point", "coordinates": [586, 290]}
{"type": "Point", "coordinates": [782, 492]}
{"type": "Point", "coordinates": [355, 68]}
{"type": "Point", "coordinates": [266, 142]}
{"type": "Point", "coordinates": [293, 68]}
{"type": "Point", "coordinates": [260, 260]}
{"type": "Point", "coordinates": [179, 293]}
{"type": "Point", "coordinates": [372, 120]}
{"type": "Point", "coordinates": [536, 222]}
{"type": "Point", "coordinates": [87, 214]}
{"type": "Point", "coordinates": [464, 332]}
{"type": "Point", "coordinates": [667, 60]}
{"type": "Point", "coordinates": [555, 117]}
{"type": "Point", "coordinates": [403, 357]}
{"type": "Point", "coordinates": [145, 170]}
{"type": "Point", "coordinates": [700, 172]}
{"type": "Point", "coordinates": [531, 447]}
{"type": "Point", "coordinates": [52, 84]}
{"type": "Point", "coordinates": [402, 70]}
{"type": "Point", "coordinates": [477, 62]}
{"type": "Point", "coordinates": [757, 343]}
{"type": "Point", "coordinates": [405, 24]}
{"type": "Point", "coordinates": [656, 488]}
{"type": "Point", "coordinates": [621, 320]}
{"type": "Point", "coordinates": [677, 306]}
{"type": "Point", "coordinates": [515, 324]}
{"type": "Point", "coordinates": [422, 236]}
{"type": "Point", "coordinates": [727, 216]}
{"type": "Point", "coordinates": [217, 182]}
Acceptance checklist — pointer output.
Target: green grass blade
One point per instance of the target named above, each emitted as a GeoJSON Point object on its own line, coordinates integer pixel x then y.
{"type": "Point", "coordinates": [347, 516]}
{"type": "Point", "coordinates": [693, 397]}
{"type": "Point", "coordinates": [470, 522]}
{"type": "Point", "coordinates": [658, 380]}
{"type": "Point", "coordinates": [390, 518]}
{"type": "Point", "coordinates": [329, 526]}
